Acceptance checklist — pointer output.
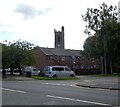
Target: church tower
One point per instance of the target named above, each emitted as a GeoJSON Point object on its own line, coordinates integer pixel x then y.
{"type": "Point", "coordinates": [59, 38]}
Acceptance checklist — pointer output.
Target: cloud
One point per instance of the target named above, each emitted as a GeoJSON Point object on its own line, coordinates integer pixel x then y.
{"type": "Point", "coordinates": [30, 12]}
{"type": "Point", "coordinates": [1, 24]}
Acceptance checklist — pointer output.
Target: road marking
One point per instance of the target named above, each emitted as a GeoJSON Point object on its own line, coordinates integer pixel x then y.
{"type": "Point", "coordinates": [84, 101]}
{"type": "Point", "coordinates": [56, 84]}
{"type": "Point", "coordinates": [75, 86]}
{"type": "Point", "coordinates": [13, 90]}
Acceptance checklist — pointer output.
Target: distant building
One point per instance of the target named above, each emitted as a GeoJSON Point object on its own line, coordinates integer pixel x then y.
{"type": "Point", "coordinates": [60, 56]}
{"type": "Point", "coordinates": [59, 38]}
{"type": "Point", "coordinates": [57, 56]}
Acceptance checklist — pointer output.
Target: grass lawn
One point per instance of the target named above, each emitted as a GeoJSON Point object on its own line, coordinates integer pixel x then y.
{"type": "Point", "coordinates": [47, 78]}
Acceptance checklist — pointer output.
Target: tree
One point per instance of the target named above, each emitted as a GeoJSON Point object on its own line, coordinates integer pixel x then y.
{"type": "Point", "coordinates": [5, 54]}
{"type": "Point", "coordinates": [103, 22]}
{"type": "Point", "coordinates": [91, 47]}
{"type": "Point", "coordinates": [17, 54]}
{"type": "Point", "coordinates": [96, 18]}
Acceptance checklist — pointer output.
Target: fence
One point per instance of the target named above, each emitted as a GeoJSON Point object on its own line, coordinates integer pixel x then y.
{"type": "Point", "coordinates": [87, 71]}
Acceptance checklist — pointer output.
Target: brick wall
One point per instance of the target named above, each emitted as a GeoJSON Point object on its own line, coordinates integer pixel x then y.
{"type": "Point", "coordinates": [43, 60]}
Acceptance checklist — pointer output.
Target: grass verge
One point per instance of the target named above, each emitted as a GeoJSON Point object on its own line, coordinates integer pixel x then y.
{"type": "Point", "coordinates": [47, 78]}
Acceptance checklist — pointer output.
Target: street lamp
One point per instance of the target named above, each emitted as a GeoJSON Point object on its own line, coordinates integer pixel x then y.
{"type": "Point", "coordinates": [73, 59]}
{"type": "Point", "coordinates": [101, 58]}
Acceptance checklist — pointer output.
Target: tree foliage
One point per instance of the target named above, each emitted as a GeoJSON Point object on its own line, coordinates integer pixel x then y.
{"type": "Point", "coordinates": [96, 18]}
{"type": "Point", "coordinates": [17, 54]}
{"type": "Point", "coordinates": [106, 40]}
{"type": "Point", "coordinates": [91, 47]}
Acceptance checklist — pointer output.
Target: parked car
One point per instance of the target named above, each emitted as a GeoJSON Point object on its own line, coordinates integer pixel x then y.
{"type": "Point", "coordinates": [58, 71]}
{"type": "Point", "coordinates": [42, 74]}
{"type": "Point", "coordinates": [7, 70]}
{"type": "Point", "coordinates": [30, 70]}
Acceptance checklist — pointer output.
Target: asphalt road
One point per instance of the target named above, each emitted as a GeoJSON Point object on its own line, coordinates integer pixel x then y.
{"type": "Point", "coordinates": [43, 92]}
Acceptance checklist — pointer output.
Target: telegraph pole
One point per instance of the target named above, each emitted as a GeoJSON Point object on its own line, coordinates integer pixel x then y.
{"type": "Point", "coordinates": [105, 64]}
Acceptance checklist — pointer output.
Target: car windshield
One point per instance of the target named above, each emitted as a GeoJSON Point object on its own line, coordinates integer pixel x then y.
{"type": "Point", "coordinates": [35, 69]}
{"type": "Point", "coordinates": [67, 69]}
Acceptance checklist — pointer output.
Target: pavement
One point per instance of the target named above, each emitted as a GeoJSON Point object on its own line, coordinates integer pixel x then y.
{"type": "Point", "coordinates": [15, 77]}
{"type": "Point", "coordinates": [101, 82]}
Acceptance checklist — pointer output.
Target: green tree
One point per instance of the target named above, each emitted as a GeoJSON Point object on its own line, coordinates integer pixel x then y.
{"type": "Point", "coordinates": [103, 22]}
{"type": "Point", "coordinates": [91, 47]}
{"type": "Point", "coordinates": [5, 54]}
{"type": "Point", "coordinates": [17, 54]}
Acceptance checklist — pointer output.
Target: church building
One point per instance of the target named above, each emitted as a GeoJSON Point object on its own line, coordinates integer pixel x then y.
{"type": "Point", "coordinates": [59, 38]}
{"type": "Point", "coordinates": [60, 56]}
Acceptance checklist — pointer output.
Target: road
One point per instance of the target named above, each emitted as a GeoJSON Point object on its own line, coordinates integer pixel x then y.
{"type": "Point", "coordinates": [44, 92]}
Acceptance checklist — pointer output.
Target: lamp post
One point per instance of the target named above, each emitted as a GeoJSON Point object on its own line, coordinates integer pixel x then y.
{"type": "Point", "coordinates": [73, 59]}
{"type": "Point", "coordinates": [105, 47]}
{"type": "Point", "coordinates": [101, 58]}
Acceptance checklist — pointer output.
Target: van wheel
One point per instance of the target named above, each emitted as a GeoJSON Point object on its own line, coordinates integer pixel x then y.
{"type": "Point", "coordinates": [54, 76]}
{"type": "Point", "coordinates": [71, 75]}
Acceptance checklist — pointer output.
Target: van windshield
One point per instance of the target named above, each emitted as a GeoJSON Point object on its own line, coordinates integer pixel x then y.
{"type": "Point", "coordinates": [57, 69]}
{"type": "Point", "coordinates": [35, 69]}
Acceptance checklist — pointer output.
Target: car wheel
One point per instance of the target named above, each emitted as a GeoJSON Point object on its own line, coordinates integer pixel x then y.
{"type": "Point", "coordinates": [54, 76]}
{"type": "Point", "coordinates": [71, 75]}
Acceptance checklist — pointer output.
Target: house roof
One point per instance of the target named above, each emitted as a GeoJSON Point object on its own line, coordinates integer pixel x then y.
{"type": "Point", "coordinates": [61, 52]}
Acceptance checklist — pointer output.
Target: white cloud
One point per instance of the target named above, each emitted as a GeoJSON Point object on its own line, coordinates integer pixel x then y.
{"type": "Point", "coordinates": [29, 11]}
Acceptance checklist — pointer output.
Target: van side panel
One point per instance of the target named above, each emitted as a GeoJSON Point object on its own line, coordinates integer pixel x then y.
{"type": "Point", "coordinates": [60, 71]}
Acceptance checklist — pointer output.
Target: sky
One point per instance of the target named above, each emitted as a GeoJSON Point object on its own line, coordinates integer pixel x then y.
{"type": "Point", "coordinates": [35, 20]}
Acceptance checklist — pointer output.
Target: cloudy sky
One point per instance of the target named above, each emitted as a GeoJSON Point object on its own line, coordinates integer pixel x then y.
{"type": "Point", "coordinates": [35, 20]}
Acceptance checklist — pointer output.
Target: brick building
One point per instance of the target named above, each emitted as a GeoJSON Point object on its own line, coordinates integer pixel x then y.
{"type": "Point", "coordinates": [57, 56]}
{"type": "Point", "coordinates": [61, 56]}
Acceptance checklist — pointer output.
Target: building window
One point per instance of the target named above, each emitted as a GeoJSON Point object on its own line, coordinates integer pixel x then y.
{"type": "Point", "coordinates": [50, 57]}
{"type": "Point", "coordinates": [62, 58]}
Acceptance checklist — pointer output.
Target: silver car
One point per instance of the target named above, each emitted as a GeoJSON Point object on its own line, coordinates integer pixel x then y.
{"type": "Point", "coordinates": [30, 70]}
{"type": "Point", "coordinates": [58, 71]}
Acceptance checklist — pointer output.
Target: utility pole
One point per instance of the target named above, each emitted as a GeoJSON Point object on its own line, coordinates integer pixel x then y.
{"type": "Point", "coordinates": [73, 59]}
{"type": "Point", "coordinates": [104, 43]}
{"type": "Point", "coordinates": [101, 58]}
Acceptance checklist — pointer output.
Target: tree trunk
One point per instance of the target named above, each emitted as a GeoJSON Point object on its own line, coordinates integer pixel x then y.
{"type": "Point", "coordinates": [19, 69]}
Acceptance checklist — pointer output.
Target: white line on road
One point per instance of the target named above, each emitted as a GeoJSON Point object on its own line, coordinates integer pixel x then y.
{"type": "Point", "coordinates": [71, 99]}
{"type": "Point", "coordinates": [13, 90]}
{"type": "Point", "coordinates": [56, 84]}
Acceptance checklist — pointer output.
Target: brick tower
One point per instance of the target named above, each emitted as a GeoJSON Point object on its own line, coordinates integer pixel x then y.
{"type": "Point", "coordinates": [59, 38]}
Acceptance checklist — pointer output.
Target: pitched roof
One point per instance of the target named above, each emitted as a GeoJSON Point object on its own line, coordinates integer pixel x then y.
{"type": "Point", "coordinates": [61, 52]}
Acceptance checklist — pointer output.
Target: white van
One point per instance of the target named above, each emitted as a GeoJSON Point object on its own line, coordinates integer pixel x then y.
{"type": "Point", "coordinates": [58, 71]}
{"type": "Point", "coordinates": [30, 70]}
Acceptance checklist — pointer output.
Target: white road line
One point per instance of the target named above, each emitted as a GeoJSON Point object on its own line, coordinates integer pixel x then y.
{"type": "Point", "coordinates": [13, 90]}
{"type": "Point", "coordinates": [56, 84]}
{"type": "Point", "coordinates": [75, 86]}
{"type": "Point", "coordinates": [71, 99]}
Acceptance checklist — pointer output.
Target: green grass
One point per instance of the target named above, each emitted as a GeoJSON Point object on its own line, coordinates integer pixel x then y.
{"type": "Point", "coordinates": [47, 78]}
